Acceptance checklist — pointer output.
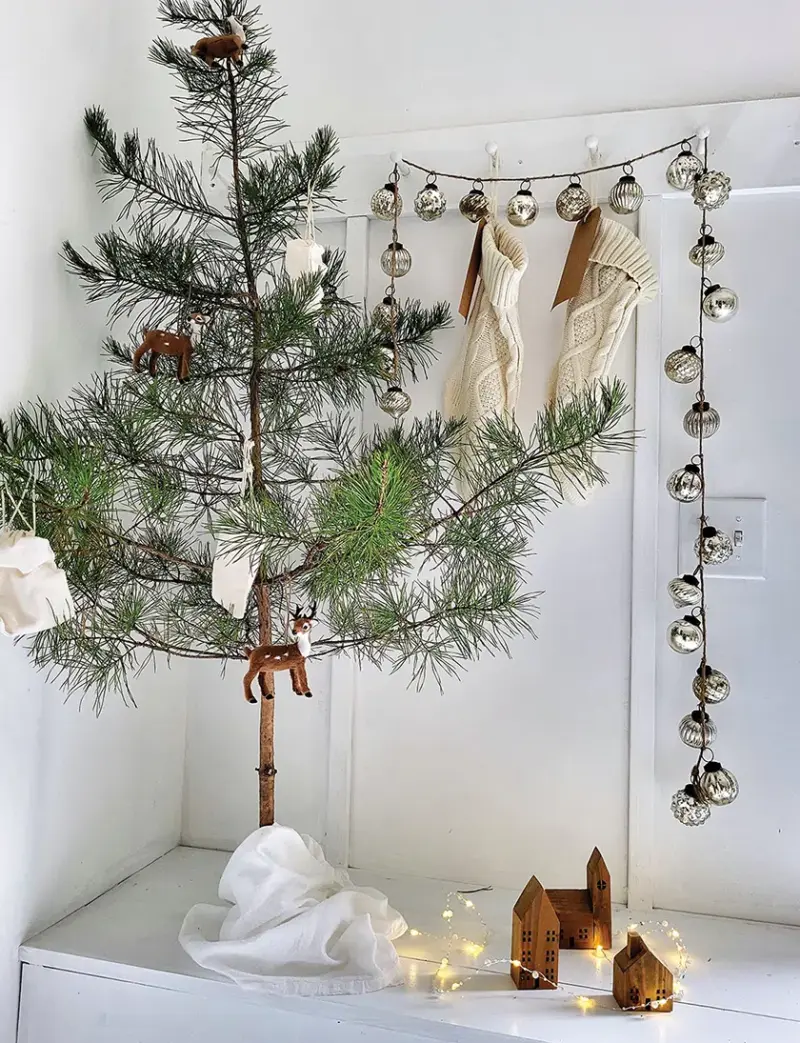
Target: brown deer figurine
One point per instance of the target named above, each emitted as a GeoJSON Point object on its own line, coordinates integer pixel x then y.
{"type": "Point", "coordinates": [269, 659]}
{"type": "Point", "coordinates": [230, 45]}
{"type": "Point", "coordinates": [161, 342]}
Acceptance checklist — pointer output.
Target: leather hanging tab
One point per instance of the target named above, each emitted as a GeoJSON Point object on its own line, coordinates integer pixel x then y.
{"type": "Point", "coordinates": [578, 257]}
{"type": "Point", "coordinates": [473, 269]}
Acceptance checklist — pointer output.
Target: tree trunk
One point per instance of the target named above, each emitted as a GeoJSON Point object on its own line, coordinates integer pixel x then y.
{"type": "Point", "coordinates": [266, 759]}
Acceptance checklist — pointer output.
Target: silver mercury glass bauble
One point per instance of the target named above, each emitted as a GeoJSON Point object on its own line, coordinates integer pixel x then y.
{"type": "Point", "coordinates": [685, 635]}
{"type": "Point", "coordinates": [387, 203]}
{"type": "Point", "coordinates": [720, 303]}
{"type": "Point", "coordinates": [522, 209]}
{"type": "Point", "coordinates": [713, 547]}
{"type": "Point", "coordinates": [395, 402]}
{"type": "Point", "coordinates": [475, 205]}
{"type": "Point", "coordinates": [706, 252]}
{"type": "Point", "coordinates": [688, 808]}
{"type": "Point", "coordinates": [684, 591]}
{"type": "Point", "coordinates": [711, 189]}
{"type": "Point", "coordinates": [701, 416]}
{"type": "Point", "coordinates": [684, 169]}
{"type": "Point", "coordinates": [383, 313]}
{"type": "Point", "coordinates": [396, 260]}
{"type": "Point", "coordinates": [685, 484]}
{"type": "Point", "coordinates": [430, 203]}
{"type": "Point", "coordinates": [573, 202]}
{"type": "Point", "coordinates": [692, 732]}
{"type": "Point", "coordinates": [717, 687]}
{"type": "Point", "coordinates": [626, 196]}
{"type": "Point", "coordinates": [717, 785]}
{"type": "Point", "coordinates": [683, 366]}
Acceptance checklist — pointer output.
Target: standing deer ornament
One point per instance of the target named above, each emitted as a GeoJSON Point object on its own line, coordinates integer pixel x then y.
{"type": "Point", "coordinates": [269, 659]}
{"type": "Point", "coordinates": [162, 342]}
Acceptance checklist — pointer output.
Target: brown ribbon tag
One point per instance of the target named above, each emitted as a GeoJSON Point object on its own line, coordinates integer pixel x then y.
{"type": "Point", "coordinates": [471, 279]}
{"type": "Point", "coordinates": [578, 257]}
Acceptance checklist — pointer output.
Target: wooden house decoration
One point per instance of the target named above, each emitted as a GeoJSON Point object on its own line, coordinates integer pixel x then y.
{"type": "Point", "coordinates": [585, 914]}
{"type": "Point", "coordinates": [641, 981]}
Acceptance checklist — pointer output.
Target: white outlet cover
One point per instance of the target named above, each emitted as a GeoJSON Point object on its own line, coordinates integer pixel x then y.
{"type": "Point", "coordinates": [746, 515]}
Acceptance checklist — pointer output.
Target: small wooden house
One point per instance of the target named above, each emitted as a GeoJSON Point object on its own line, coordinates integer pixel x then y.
{"type": "Point", "coordinates": [534, 939]}
{"type": "Point", "coordinates": [641, 981]}
{"type": "Point", "coordinates": [585, 914]}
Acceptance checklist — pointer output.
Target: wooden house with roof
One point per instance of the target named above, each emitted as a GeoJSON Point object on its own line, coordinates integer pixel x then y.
{"type": "Point", "coordinates": [641, 981]}
{"type": "Point", "coordinates": [585, 913]}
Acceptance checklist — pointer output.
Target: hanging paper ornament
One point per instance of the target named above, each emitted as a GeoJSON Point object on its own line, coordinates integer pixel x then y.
{"type": "Point", "coordinates": [627, 195]}
{"type": "Point", "coordinates": [34, 594]}
{"type": "Point", "coordinates": [717, 687]}
{"type": "Point", "coordinates": [711, 189]}
{"type": "Point", "coordinates": [697, 730]}
{"type": "Point", "coordinates": [573, 202]}
{"type": "Point", "coordinates": [713, 547]}
{"type": "Point", "coordinates": [717, 785]}
{"type": "Point", "coordinates": [685, 484]}
{"type": "Point", "coordinates": [720, 303]}
{"type": "Point", "coordinates": [684, 169]}
{"type": "Point", "coordinates": [685, 635]}
{"type": "Point", "coordinates": [395, 402]}
{"type": "Point", "coordinates": [384, 312]}
{"type": "Point", "coordinates": [396, 260]}
{"type": "Point", "coordinates": [387, 203]}
{"type": "Point", "coordinates": [706, 252]}
{"type": "Point", "coordinates": [702, 416]}
{"type": "Point", "coordinates": [688, 808]}
{"type": "Point", "coordinates": [475, 205]}
{"type": "Point", "coordinates": [430, 203]}
{"type": "Point", "coordinates": [683, 366]}
{"type": "Point", "coordinates": [684, 591]}
{"type": "Point", "coordinates": [522, 209]}
{"type": "Point", "coordinates": [304, 255]}
{"type": "Point", "coordinates": [232, 576]}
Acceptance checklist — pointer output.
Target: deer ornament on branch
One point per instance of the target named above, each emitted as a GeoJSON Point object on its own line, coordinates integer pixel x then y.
{"type": "Point", "coordinates": [218, 48]}
{"type": "Point", "coordinates": [161, 342]}
{"type": "Point", "coordinates": [269, 659]}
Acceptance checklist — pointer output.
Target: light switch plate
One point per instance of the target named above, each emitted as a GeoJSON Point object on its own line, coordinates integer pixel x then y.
{"type": "Point", "coordinates": [744, 519]}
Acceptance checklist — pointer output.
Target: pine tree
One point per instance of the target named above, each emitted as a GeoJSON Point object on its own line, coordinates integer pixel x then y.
{"type": "Point", "coordinates": [136, 474]}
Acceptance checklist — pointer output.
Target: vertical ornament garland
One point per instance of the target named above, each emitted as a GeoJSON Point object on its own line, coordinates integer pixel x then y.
{"type": "Point", "coordinates": [710, 784]}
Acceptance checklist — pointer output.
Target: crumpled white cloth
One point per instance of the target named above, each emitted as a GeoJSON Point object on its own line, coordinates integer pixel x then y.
{"type": "Point", "coordinates": [34, 594]}
{"type": "Point", "coordinates": [297, 926]}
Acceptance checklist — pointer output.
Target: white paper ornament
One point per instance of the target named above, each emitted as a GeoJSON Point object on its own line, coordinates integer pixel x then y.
{"type": "Point", "coordinates": [232, 576]}
{"type": "Point", "coordinates": [304, 257]}
{"type": "Point", "coordinates": [34, 594]}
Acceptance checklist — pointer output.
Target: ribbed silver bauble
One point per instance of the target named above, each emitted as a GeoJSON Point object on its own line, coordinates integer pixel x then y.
{"type": "Point", "coordinates": [395, 402]}
{"type": "Point", "coordinates": [387, 203]}
{"type": "Point", "coordinates": [717, 686]}
{"type": "Point", "coordinates": [684, 591]}
{"type": "Point", "coordinates": [717, 785]}
{"type": "Point", "coordinates": [475, 205]}
{"type": "Point", "coordinates": [396, 260]}
{"type": "Point", "coordinates": [684, 169]}
{"type": "Point", "coordinates": [683, 365]}
{"type": "Point", "coordinates": [720, 303]}
{"type": "Point", "coordinates": [690, 730]}
{"type": "Point", "coordinates": [688, 809]}
{"type": "Point", "coordinates": [382, 313]}
{"type": "Point", "coordinates": [573, 202]}
{"type": "Point", "coordinates": [685, 635]}
{"type": "Point", "coordinates": [706, 251]}
{"type": "Point", "coordinates": [703, 416]}
{"type": "Point", "coordinates": [430, 203]}
{"type": "Point", "coordinates": [626, 196]}
{"type": "Point", "coordinates": [685, 484]}
{"type": "Point", "coordinates": [711, 189]}
{"type": "Point", "coordinates": [522, 209]}
{"type": "Point", "coordinates": [713, 547]}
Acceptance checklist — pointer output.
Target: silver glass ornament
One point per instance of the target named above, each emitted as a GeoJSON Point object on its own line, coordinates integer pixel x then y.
{"type": "Point", "coordinates": [685, 635]}
{"type": "Point", "coordinates": [713, 547]}
{"type": "Point", "coordinates": [383, 313]}
{"type": "Point", "coordinates": [683, 366]}
{"type": "Point", "coordinates": [688, 808]}
{"type": "Point", "coordinates": [711, 189]}
{"type": "Point", "coordinates": [522, 209]}
{"type": "Point", "coordinates": [395, 402]}
{"type": "Point", "coordinates": [684, 169]}
{"type": "Point", "coordinates": [573, 203]}
{"type": "Point", "coordinates": [717, 687]}
{"type": "Point", "coordinates": [626, 196]}
{"type": "Point", "coordinates": [475, 205]}
{"type": "Point", "coordinates": [697, 730]}
{"type": "Point", "coordinates": [706, 252]}
{"type": "Point", "coordinates": [430, 203]}
{"type": "Point", "coordinates": [720, 303]}
{"type": "Point", "coordinates": [701, 416]}
{"type": "Point", "coordinates": [387, 203]}
{"type": "Point", "coordinates": [684, 591]}
{"type": "Point", "coordinates": [396, 260]}
{"type": "Point", "coordinates": [717, 785]}
{"type": "Point", "coordinates": [685, 484]}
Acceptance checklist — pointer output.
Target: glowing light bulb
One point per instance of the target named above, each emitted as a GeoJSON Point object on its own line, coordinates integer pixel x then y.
{"type": "Point", "coordinates": [455, 985]}
{"type": "Point", "coordinates": [515, 963]}
{"type": "Point", "coordinates": [447, 914]}
{"type": "Point", "coordinates": [414, 932]}
{"type": "Point", "coordinates": [445, 962]}
{"type": "Point", "coordinates": [585, 1003]}
{"type": "Point", "coordinates": [469, 904]}
{"type": "Point", "coordinates": [599, 951]}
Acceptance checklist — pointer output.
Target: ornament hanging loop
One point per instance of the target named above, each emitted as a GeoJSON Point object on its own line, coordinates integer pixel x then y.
{"type": "Point", "coordinates": [627, 169]}
{"type": "Point", "coordinates": [430, 180]}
